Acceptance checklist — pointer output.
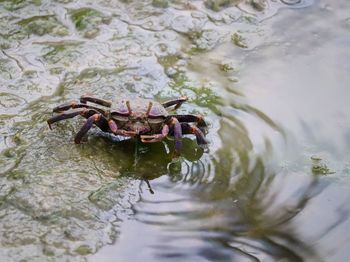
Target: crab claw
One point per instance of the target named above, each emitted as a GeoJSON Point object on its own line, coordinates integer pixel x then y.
{"type": "Point", "coordinates": [151, 139]}
{"type": "Point", "coordinates": [156, 137]}
{"type": "Point", "coordinates": [125, 133]}
{"type": "Point", "coordinates": [130, 133]}
{"type": "Point", "coordinates": [114, 128]}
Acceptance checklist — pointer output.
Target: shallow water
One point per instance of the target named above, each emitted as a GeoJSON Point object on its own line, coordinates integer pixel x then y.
{"type": "Point", "coordinates": [270, 77]}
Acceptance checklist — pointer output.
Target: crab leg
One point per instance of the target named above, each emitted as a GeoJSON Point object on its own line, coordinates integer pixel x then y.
{"type": "Point", "coordinates": [102, 123]}
{"type": "Point", "coordinates": [75, 104]}
{"type": "Point", "coordinates": [177, 134]}
{"type": "Point", "coordinates": [114, 128]}
{"type": "Point", "coordinates": [86, 127]}
{"type": "Point", "coordinates": [177, 102]}
{"type": "Point", "coordinates": [177, 131]}
{"type": "Point", "coordinates": [157, 137]}
{"type": "Point", "coordinates": [65, 115]}
{"type": "Point", "coordinates": [191, 129]}
{"type": "Point", "coordinates": [102, 102]}
{"type": "Point", "coordinates": [191, 118]}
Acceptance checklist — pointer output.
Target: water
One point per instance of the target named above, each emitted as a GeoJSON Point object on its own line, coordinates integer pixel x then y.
{"type": "Point", "coordinates": [271, 79]}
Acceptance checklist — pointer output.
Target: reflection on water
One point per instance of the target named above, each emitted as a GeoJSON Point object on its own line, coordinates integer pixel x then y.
{"type": "Point", "coordinates": [271, 79]}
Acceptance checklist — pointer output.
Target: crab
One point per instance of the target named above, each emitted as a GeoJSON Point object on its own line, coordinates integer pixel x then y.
{"type": "Point", "coordinates": [147, 120]}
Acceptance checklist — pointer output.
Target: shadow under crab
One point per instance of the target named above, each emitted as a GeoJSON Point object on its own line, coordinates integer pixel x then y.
{"type": "Point", "coordinates": [144, 119]}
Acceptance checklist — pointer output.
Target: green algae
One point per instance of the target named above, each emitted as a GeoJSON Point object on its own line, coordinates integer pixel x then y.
{"type": "Point", "coordinates": [239, 40]}
{"type": "Point", "coordinates": [42, 25]}
{"type": "Point", "coordinates": [88, 21]}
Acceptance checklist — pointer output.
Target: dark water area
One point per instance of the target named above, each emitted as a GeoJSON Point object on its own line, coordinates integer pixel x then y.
{"type": "Point", "coordinates": [271, 77]}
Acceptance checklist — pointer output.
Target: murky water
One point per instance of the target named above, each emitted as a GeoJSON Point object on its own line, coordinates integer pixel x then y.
{"type": "Point", "coordinates": [271, 77]}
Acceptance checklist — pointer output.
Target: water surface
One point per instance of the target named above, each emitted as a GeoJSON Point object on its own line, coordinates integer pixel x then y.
{"type": "Point", "coordinates": [270, 77]}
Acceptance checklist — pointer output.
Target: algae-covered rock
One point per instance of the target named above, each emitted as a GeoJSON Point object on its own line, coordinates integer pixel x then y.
{"type": "Point", "coordinates": [217, 5]}
{"type": "Point", "coordinates": [259, 5]}
{"type": "Point", "coordinates": [42, 25]}
{"type": "Point", "coordinates": [88, 20]}
{"type": "Point", "coordinates": [160, 3]}
{"type": "Point", "coordinates": [239, 41]}
{"type": "Point", "coordinates": [13, 5]}
{"type": "Point", "coordinates": [84, 250]}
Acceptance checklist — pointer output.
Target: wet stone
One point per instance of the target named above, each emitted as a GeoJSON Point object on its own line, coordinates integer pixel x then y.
{"type": "Point", "coordinates": [10, 101]}
{"type": "Point", "coordinates": [60, 201]}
